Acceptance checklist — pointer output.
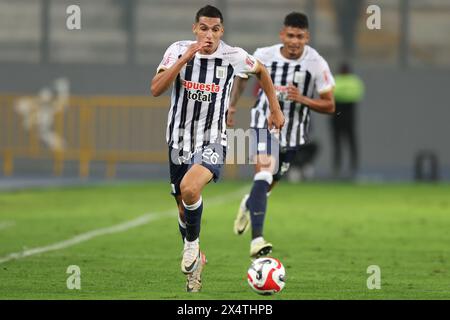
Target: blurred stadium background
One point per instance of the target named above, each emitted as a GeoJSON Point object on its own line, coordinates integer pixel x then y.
{"type": "Point", "coordinates": [75, 108]}
{"type": "Point", "coordinates": [76, 102]}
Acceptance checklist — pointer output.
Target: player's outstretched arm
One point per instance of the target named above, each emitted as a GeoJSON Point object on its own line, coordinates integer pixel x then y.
{"type": "Point", "coordinates": [164, 78]}
{"type": "Point", "coordinates": [325, 104]}
{"type": "Point", "coordinates": [276, 118]}
{"type": "Point", "coordinates": [236, 92]}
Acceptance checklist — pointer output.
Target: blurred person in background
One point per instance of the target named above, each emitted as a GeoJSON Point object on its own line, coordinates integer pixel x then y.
{"type": "Point", "coordinates": [348, 92]}
{"type": "Point", "coordinates": [304, 82]}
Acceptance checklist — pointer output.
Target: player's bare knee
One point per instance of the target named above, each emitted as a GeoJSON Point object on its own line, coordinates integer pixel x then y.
{"type": "Point", "coordinates": [266, 163]}
{"type": "Point", "coordinates": [189, 192]}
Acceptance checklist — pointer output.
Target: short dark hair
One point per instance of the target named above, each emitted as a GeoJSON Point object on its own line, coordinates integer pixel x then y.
{"type": "Point", "coordinates": [210, 12]}
{"type": "Point", "coordinates": [296, 20]}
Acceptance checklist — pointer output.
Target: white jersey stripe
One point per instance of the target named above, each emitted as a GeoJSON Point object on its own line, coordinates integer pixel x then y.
{"type": "Point", "coordinates": [194, 126]}
{"type": "Point", "coordinates": [210, 110]}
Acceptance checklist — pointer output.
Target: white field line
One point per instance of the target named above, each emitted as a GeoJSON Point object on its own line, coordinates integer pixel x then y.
{"type": "Point", "coordinates": [6, 224]}
{"type": "Point", "coordinates": [121, 227]}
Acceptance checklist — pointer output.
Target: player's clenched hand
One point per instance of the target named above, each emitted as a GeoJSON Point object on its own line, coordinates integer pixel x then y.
{"type": "Point", "coordinates": [294, 95]}
{"type": "Point", "coordinates": [192, 50]}
{"type": "Point", "coordinates": [230, 116]}
{"type": "Point", "coordinates": [275, 120]}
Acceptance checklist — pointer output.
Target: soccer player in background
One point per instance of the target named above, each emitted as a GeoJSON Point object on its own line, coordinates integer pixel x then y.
{"type": "Point", "coordinates": [202, 73]}
{"type": "Point", "coordinates": [298, 72]}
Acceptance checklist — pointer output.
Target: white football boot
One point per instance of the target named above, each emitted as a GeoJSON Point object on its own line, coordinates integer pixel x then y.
{"type": "Point", "coordinates": [194, 279]}
{"type": "Point", "coordinates": [242, 221]}
{"type": "Point", "coordinates": [191, 256]}
{"type": "Point", "coordinates": [260, 248]}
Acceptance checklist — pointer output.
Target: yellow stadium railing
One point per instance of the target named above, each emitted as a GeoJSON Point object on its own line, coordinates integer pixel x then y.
{"type": "Point", "coordinates": [112, 129]}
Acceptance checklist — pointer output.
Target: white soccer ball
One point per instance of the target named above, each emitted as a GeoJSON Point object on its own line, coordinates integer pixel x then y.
{"type": "Point", "coordinates": [266, 276]}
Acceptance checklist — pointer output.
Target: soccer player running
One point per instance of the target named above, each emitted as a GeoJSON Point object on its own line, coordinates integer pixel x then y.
{"type": "Point", "coordinates": [202, 73]}
{"type": "Point", "coordinates": [298, 71]}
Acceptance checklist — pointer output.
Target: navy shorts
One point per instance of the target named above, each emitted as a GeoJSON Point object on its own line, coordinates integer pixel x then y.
{"type": "Point", "coordinates": [211, 156]}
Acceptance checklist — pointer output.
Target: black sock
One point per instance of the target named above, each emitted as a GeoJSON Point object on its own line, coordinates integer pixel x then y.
{"type": "Point", "coordinates": [257, 202]}
{"type": "Point", "coordinates": [193, 216]}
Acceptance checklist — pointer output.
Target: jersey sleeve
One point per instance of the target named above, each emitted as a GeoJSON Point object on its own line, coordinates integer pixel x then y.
{"type": "Point", "coordinates": [324, 79]}
{"type": "Point", "coordinates": [258, 56]}
{"type": "Point", "coordinates": [244, 63]}
{"type": "Point", "coordinates": [170, 57]}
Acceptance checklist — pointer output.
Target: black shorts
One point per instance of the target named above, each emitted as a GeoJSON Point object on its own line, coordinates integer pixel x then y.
{"type": "Point", "coordinates": [285, 159]}
{"type": "Point", "coordinates": [211, 156]}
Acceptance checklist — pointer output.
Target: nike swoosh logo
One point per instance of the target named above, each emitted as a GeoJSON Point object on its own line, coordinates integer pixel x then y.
{"type": "Point", "coordinates": [189, 268]}
{"type": "Point", "coordinates": [243, 228]}
{"type": "Point", "coordinates": [258, 213]}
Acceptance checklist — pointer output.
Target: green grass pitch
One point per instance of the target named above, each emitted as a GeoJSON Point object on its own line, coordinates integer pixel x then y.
{"type": "Point", "coordinates": [326, 235]}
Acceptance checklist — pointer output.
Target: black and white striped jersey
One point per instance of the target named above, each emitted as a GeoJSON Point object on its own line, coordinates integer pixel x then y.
{"type": "Point", "coordinates": [310, 73]}
{"type": "Point", "coordinates": [201, 94]}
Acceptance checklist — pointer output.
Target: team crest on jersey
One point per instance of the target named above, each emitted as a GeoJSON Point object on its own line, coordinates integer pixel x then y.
{"type": "Point", "coordinates": [299, 77]}
{"type": "Point", "coordinates": [220, 72]}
